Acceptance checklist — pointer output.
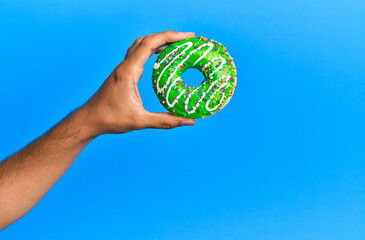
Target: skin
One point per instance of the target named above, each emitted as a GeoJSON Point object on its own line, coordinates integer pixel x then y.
{"type": "Point", "coordinates": [26, 176]}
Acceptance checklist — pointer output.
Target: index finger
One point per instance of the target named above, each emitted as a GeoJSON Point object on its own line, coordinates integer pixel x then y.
{"type": "Point", "coordinates": [152, 42]}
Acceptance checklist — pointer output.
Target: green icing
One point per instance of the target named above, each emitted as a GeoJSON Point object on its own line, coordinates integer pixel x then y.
{"type": "Point", "coordinates": [194, 102]}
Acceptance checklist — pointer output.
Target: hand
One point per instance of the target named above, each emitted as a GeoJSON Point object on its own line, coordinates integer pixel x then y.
{"type": "Point", "coordinates": [26, 176]}
{"type": "Point", "coordinates": [117, 106]}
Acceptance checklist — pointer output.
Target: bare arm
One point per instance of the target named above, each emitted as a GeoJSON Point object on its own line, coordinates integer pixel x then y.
{"type": "Point", "coordinates": [116, 107]}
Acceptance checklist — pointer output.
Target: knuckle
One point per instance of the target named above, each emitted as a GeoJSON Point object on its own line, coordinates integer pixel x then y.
{"type": "Point", "coordinates": [169, 32]}
{"type": "Point", "coordinates": [137, 120]}
{"type": "Point", "coordinates": [138, 40]}
{"type": "Point", "coordinates": [129, 50]}
{"type": "Point", "coordinates": [133, 123]}
{"type": "Point", "coordinates": [166, 124]}
{"type": "Point", "coordinates": [146, 41]}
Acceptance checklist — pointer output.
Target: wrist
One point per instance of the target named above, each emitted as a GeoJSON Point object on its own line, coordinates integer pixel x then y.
{"type": "Point", "coordinates": [81, 121]}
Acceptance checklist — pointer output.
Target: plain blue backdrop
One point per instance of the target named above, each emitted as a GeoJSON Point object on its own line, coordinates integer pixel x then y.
{"type": "Point", "coordinates": [283, 160]}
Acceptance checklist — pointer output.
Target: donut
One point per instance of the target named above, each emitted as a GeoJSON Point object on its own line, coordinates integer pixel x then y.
{"type": "Point", "coordinates": [211, 58]}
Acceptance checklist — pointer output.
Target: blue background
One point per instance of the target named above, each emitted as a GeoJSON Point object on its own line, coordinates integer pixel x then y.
{"type": "Point", "coordinates": [283, 160]}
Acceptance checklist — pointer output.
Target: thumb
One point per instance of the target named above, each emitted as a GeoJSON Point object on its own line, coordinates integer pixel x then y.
{"type": "Point", "coordinates": [167, 121]}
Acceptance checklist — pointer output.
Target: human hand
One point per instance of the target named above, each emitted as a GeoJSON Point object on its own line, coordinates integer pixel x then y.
{"type": "Point", "coordinates": [117, 106]}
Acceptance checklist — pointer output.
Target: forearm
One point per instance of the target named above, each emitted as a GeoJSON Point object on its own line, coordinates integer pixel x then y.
{"type": "Point", "coordinates": [28, 175]}
{"type": "Point", "coordinates": [116, 107]}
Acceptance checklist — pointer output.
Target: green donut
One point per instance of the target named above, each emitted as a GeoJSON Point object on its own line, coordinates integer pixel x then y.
{"type": "Point", "coordinates": [209, 57]}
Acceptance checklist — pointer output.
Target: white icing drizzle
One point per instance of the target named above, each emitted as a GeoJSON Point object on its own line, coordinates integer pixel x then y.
{"type": "Point", "coordinates": [201, 98]}
{"type": "Point", "coordinates": [188, 99]}
{"type": "Point", "coordinates": [223, 61]}
{"type": "Point", "coordinates": [157, 65]}
{"type": "Point", "coordinates": [189, 45]}
{"type": "Point", "coordinates": [177, 98]}
{"type": "Point", "coordinates": [226, 84]}
{"type": "Point", "coordinates": [205, 53]}
{"type": "Point", "coordinates": [159, 90]}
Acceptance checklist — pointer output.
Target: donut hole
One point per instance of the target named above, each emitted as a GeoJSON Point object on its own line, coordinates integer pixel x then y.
{"type": "Point", "coordinates": [193, 77]}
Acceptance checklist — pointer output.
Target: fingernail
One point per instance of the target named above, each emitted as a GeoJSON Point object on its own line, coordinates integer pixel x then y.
{"type": "Point", "coordinates": [186, 34]}
{"type": "Point", "coordinates": [187, 123]}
